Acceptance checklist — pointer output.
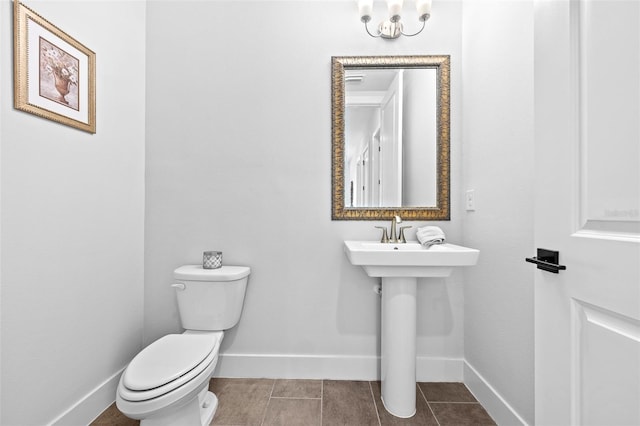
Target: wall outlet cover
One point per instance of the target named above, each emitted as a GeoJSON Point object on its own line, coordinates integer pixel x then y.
{"type": "Point", "coordinates": [470, 201]}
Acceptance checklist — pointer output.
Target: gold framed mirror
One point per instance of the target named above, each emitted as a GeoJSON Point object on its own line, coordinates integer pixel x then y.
{"type": "Point", "coordinates": [390, 137]}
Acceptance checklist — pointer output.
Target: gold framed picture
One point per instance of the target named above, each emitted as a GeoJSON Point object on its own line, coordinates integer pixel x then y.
{"type": "Point", "coordinates": [54, 74]}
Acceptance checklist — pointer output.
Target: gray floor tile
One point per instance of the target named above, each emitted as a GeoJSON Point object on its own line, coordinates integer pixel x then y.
{"type": "Point", "coordinates": [461, 414]}
{"type": "Point", "coordinates": [348, 403]}
{"type": "Point", "coordinates": [297, 389]}
{"type": "Point", "coordinates": [446, 392]}
{"type": "Point", "coordinates": [292, 412]}
{"type": "Point", "coordinates": [241, 401]}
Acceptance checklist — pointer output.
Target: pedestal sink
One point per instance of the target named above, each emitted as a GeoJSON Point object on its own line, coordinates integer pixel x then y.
{"type": "Point", "coordinates": [399, 266]}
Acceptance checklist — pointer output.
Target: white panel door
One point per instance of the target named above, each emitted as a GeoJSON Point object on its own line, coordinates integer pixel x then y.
{"type": "Point", "coordinates": [587, 135]}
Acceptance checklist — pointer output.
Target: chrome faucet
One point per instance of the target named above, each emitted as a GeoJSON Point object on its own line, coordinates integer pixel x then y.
{"type": "Point", "coordinates": [393, 237]}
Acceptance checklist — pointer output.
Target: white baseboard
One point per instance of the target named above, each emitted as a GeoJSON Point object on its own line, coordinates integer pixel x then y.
{"type": "Point", "coordinates": [439, 369]}
{"type": "Point", "coordinates": [336, 367]}
{"type": "Point", "coordinates": [491, 400]}
{"type": "Point", "coordinates": [88, 408]}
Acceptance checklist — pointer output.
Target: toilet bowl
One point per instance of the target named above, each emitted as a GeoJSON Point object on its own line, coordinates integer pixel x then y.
{"type": "Point", "coordinates": [167, 382]}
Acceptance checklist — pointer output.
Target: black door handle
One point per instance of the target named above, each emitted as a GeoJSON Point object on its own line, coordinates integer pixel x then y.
{"type": "Point", "coordinates": [547, 260]}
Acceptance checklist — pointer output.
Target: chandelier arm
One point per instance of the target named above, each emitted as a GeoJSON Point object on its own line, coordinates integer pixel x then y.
{"type": "Point", "coordinates": [424, 23]}
{"type": "Point", "coordinates": [366, 27]}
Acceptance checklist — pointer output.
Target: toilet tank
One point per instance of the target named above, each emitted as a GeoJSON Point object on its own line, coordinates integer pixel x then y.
{"type": "Point", "coordinates": [210, 299]}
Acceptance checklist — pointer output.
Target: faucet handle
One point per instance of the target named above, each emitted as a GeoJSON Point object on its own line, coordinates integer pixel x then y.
{"type": "Point", "coordinates": [401, 236]}
{"type": "Point", "coordinates": [385, 237]}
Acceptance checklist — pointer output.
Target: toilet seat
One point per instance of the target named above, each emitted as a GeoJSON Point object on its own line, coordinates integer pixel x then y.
{"type": "Point", "coordinates": [168, 364]}
{"type": "Point", "coordinates": [168, 402]}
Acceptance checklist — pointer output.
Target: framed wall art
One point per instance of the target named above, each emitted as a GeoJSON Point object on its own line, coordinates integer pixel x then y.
{"type": "Point", "coordinates": [54, 74]}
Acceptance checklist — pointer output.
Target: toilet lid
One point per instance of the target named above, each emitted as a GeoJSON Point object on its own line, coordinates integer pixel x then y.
{"type": "Point", "coordinates": [167, 359]}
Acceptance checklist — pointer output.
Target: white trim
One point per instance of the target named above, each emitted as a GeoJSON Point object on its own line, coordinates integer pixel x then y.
{"type": "Point", "coordinates": [92, 405]}
{"type": "Point", "coordinates": [497, 407]}
{"type": "Point", "coordinates": [439, 369]}
{"type": "Point", "coordinates": [332, 367]}
{"type": "Point", "coordinates": [603, 235]}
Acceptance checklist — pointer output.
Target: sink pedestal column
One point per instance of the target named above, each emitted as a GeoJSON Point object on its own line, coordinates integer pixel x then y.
{"type": "Point", "coordinates": [398, 344]}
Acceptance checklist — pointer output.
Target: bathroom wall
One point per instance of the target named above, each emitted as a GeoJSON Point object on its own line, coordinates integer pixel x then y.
{"type": "Point", "coordinates": [72, 227]}
{"type": "Point", "coordinates": [238, 148]}
{"type": "Point", "coordinates": [238, 159]}
{"type": "Point", "coordinates": [497, 111]}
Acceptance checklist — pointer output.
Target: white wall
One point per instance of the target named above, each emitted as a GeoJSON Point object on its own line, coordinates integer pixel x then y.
{"type": "Point", "coordinates": [497, 113]}
{"type": "Point", "coordinates": [72, 226]}
{"type": "Point", "coordinates": [238, 160]}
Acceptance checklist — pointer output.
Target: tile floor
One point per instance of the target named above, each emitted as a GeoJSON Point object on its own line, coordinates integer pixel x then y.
{"type": "Point", "coordinates": [328, 402]}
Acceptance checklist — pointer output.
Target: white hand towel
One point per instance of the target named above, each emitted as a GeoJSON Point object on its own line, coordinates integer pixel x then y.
{"type": "Point", "coordinates": [430, 235]}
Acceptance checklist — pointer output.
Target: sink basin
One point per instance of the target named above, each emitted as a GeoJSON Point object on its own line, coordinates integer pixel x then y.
{"type": "Point", "coordinates": [409, 259]}
{"type": "Point", "coordinates": [400, 266]}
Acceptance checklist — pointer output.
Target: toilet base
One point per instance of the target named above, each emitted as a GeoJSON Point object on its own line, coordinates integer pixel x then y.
{"type": "Point", "coordinates": [197, 412]}
{"type": "Point", "coordinates": [209, 405]}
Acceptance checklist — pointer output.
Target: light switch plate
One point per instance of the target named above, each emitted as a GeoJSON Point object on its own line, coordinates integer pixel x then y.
{"type": "Point", "coordinates": [470, 201]}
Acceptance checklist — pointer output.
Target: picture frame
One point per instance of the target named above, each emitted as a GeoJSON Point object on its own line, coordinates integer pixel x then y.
{"type": "Point", "coordinates": [54, 74]}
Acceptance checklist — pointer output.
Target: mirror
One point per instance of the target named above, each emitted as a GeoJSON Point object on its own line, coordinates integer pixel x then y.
{"type": "Point", "coordinates": [390, 137]}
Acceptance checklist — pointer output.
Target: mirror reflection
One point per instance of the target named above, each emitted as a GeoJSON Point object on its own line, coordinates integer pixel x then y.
{"type": "Point", "coordinates": [390, 137]}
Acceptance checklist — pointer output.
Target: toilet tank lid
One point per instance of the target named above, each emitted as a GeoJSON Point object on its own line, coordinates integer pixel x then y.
{"type": "Point", "coordinates": [198, 273]}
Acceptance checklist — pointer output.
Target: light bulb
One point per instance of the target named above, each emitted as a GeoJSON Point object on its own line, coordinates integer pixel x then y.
{"type": "Point", "coordinates": [424, 9]}
{"type": "Point", "coordinates": [395, 7]}
{"type": "Point", "coordinates": [364, 9]}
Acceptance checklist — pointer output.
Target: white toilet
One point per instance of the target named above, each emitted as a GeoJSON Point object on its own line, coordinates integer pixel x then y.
{"type": "Point", "coordinates": [167, 383]}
